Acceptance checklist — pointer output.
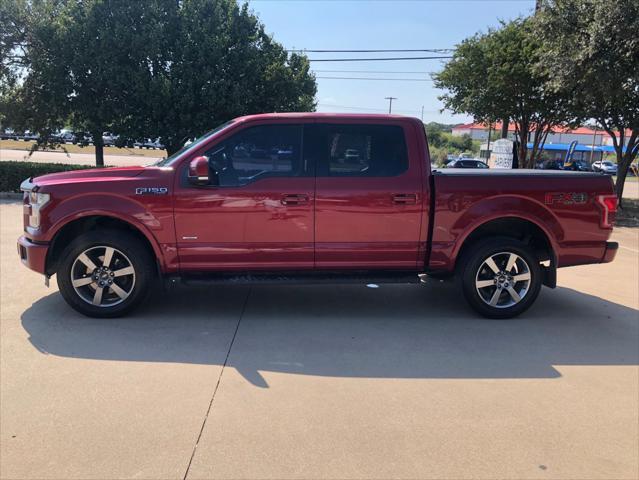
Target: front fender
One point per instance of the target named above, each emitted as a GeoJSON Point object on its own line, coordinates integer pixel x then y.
{"type": "Point", "coordinates": [156, 223]}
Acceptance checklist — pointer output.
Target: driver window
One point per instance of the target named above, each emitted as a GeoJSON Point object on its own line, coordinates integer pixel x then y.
{"type": "Point", "coordinates": [257, 152]}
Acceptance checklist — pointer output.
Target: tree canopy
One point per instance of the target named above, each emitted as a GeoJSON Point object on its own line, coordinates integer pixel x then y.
{"type": "Point", "coordinates": [158, 68]}
{"type": "Point", "coordinates": [221, 64]}
{"type": "Point", "coordinates": [590, 55]}
{"type": "Point", "coordinates": [493, 76]}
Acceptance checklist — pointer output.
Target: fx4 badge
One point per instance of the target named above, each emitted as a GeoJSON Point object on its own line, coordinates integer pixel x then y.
{"type": "Point", "coordinates": [566, 198]}
{"type": "Point", "coordinates": [151, 191]}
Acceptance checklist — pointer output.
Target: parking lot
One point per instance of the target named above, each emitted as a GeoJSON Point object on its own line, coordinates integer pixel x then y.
{"type": "Point", "coordinates": [313, 382]}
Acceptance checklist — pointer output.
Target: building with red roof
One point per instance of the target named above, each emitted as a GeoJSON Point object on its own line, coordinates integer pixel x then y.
{"type": "Point", "coordinates": [583, 135]}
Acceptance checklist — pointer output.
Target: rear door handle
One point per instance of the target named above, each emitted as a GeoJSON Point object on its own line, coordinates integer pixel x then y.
{"type": "Point", "coordinates": [294, 199]}
{"type": "Point", "coordinates": [405, 198]}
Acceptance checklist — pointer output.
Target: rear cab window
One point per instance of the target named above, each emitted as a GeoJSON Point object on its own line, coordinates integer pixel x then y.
{"type": "Point", "coordinates": [357, 150]}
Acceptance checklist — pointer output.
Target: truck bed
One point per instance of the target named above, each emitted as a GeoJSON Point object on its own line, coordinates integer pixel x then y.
{"type": "Point", "coordinates": [503, 172]}
{"type": "Point", "coordinates": [561, 204]}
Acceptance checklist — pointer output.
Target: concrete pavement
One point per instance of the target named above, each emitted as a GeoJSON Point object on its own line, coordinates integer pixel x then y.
{"type": "Point", "coordinates": [321, 382]}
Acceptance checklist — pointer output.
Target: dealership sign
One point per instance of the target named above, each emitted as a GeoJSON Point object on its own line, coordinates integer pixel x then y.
{"type": "Point", "coordinates": [501, 155]}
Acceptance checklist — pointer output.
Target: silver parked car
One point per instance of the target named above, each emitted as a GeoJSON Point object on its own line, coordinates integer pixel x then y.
{"type": "Point", "coordinates": [605, 166]}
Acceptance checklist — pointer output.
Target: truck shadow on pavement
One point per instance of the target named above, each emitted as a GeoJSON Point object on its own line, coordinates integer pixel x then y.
{"type": "Point", "coordinates": [395, 331]}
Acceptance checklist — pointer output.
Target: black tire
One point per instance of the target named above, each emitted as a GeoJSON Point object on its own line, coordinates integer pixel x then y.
{"type": "Point", "coordinates": [474, 270]}
{"type": "Point", "coordinates": [129, 251]}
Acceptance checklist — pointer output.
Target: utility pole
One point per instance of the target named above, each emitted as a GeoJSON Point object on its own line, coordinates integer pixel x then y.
{"type": "Point", "coordinates": [422, 113]}
{"type": "Point", "coordinates": [490, 128]}
{"type": "Point", "coordinates": [390, 103]}
{"type": "Point", "coordinates": [594, 141]}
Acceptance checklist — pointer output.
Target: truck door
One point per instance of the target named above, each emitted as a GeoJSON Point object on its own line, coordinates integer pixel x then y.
{"type": "Point", "coordinates": [368, 198]}
{"type": "Point", "coordinates": [258, 214]}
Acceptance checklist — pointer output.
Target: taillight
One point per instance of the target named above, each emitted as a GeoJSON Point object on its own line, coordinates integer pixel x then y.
{"type": "Point", "coordinates": [608, 204]}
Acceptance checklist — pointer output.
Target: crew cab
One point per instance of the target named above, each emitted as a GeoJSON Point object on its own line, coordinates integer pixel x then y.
{"type": "Point", "coordinates": [284, 198]}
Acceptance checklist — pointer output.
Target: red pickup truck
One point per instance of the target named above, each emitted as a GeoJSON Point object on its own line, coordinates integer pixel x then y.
{"type": "Point", "coordinates": [312, 198]}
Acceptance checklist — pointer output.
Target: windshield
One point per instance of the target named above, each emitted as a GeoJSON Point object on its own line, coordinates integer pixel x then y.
{"type": "Point", "coordinates": [165, 162]}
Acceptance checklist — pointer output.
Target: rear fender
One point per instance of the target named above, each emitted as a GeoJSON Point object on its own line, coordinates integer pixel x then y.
{"type": "Point", "coordinates": [512, 206]}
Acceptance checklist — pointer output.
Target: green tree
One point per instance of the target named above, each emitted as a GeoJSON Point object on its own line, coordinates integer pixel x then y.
{"type": "Point", "coordinates": [590, 54]}
{"type": "Point", "coordinates": [463, 142]}
{"type": "Point", "coordinates": [75, 67]}
{"type": "Point", "coordinates": [492, 76]}
{"type": "Point", "coordinates": [442, 142]}
{"type": "Point", "coordinates": [12, 41]}
{"type": "Point", "coordinates": [17, 108]}
{"type": "Point", "coordinates": [158, 68]}
{"type": "Point", "coordinates": [434, 135]}
{"type": "Point", "coordinates": [219, 63]}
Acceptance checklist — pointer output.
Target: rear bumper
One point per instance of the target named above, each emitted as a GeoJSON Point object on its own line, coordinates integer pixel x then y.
{"type": "Point", "coordinates": [33, 255]}
{"type": "Point", "coordinates": [610, 253]}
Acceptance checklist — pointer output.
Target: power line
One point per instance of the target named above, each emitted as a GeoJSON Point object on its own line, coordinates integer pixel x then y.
{"type": "Point", "coordinates": [429, 50]}
{"type": "Point", "coordinates": [426, 1]}
{"type": "Point", "coordinates": [384, 59]}
{"type": "Point", "coordinates": [378, 79]}
{"type": "Point", "coordinates": [374, 71]}
{"type": "Point", "coordinates": [351, 107]}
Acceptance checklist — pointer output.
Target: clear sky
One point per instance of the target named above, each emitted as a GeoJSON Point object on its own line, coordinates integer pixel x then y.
{"type": "Point", "coordinates": [381, 24]}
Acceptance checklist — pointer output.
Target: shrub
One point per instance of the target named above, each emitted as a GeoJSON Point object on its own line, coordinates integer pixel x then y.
{"type": "Point", "coordinates": [12, 174]}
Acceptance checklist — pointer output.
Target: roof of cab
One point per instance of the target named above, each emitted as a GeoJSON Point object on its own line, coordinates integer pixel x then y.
{"type": "Point", "coordinates": [324, 116]}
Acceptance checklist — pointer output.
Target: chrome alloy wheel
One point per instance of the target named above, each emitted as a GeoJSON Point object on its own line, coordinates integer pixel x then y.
{"type": "Point", "coordinates": [103, 276]}
{"type": "Point", "coordinates": [503, 280]}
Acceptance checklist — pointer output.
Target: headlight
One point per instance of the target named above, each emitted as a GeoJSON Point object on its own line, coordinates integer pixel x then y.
{"type": "Point", "coordinates": [37, 200]}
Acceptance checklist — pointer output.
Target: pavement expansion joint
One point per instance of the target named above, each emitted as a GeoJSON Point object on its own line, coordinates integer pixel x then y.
{"type": "Point", "coordinates": [217, 385]}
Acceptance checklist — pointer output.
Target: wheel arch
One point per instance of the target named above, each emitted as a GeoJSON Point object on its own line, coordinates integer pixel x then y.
{"type": "Point", "coordinates": [520, 228]}
{"type": "Point", "coordinates": [67, 231]}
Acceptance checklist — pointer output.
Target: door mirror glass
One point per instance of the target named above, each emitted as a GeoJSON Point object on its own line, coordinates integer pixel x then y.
{"type": "Point", "coordinates": [199, 171]}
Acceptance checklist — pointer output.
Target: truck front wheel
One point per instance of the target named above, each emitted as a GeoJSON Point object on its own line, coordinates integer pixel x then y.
{"type": "Point", "coordinates": [105, 273]}
{"type": "Point", "coordinates": [501, 277]}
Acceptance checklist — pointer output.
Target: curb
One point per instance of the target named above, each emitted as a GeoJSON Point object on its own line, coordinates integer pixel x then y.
{"type": "Point", "coordinates": [11, 195]}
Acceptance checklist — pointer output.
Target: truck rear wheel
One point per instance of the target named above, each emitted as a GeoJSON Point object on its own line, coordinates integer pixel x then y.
{"type": "Point", "coordinates": [105, 273]}
{"type": "Point", "coordinates": [501, 277]}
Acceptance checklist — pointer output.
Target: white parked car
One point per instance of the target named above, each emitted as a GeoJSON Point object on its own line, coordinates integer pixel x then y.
{"type": "Point", "coordinates": [109, 139]}
{"type": "Point", "coordinates": [605, 167]}
{"type": "Point", "coordinates": [153, 144]}
{"type": "Point", "coordinates": [65, 136]}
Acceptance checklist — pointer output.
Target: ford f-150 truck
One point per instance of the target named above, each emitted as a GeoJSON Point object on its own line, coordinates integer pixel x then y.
{"type": "Point", "coordinates": [312, 198]}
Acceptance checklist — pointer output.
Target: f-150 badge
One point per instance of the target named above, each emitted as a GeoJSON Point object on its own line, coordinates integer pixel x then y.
{"type": "Point", "coordinates": [151, 191]}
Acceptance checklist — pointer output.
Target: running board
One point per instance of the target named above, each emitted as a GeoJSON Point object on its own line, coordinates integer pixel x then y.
{"type": "Point", "coordinates": [299, 278]}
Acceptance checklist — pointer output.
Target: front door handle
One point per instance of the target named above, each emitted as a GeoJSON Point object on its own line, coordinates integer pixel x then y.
{"type": "Point", "coordinates": [405, 198]}
{"type": "Point", "coordinates": [294, 199]}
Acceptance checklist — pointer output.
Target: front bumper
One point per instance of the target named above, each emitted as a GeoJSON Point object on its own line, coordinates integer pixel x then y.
{"type": "Point", "coordinates": [33, 255]}
{"type": "Point", "coordinates": [610, 253]}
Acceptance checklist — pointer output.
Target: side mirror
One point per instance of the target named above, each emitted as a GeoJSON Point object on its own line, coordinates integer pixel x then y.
{"type": "Point", "coordinates": [199, 171]}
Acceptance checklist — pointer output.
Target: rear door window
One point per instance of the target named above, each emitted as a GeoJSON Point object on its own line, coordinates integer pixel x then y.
{"type": "Point", "coordinates": [359, 150]}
